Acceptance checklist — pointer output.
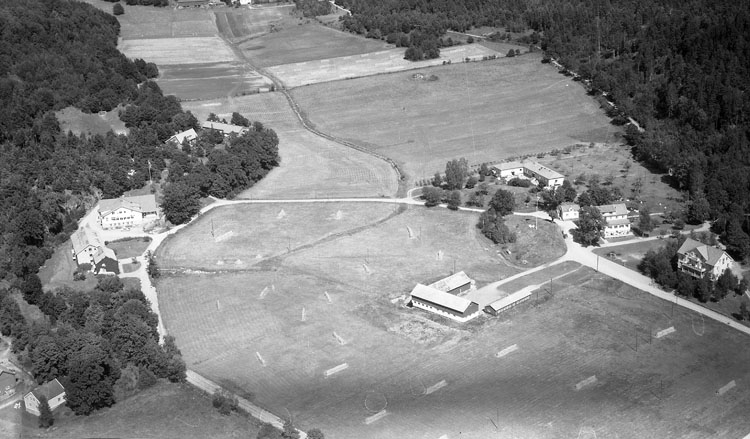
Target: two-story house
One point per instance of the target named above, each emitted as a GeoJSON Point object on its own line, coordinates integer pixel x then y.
{"type": "Point", "coordinates": [52, 390]}
{"type": "Point", "coordinates": [699, 260]}
{"type": "Point", "coordinates": [125, 212]}
{"type": "Point", "coordinates": [616, 220]}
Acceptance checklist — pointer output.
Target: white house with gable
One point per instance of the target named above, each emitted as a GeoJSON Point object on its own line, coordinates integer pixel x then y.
{"type": "Point", "coordinates": [125, 212]}
{"type": "Point", "coordinates": [616, 219]}
{"type": "Point", "coordinates": [698, 259]}
{"type": "Point", "coordinates": [52, 390]}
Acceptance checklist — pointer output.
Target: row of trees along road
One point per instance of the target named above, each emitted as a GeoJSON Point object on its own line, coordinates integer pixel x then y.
{"type": "Point", "coordinates": [680, 68]}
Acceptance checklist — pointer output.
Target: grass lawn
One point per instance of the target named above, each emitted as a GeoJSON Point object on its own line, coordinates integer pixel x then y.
{"type": "Point", "coordinates": [58, 270]}
{"type": "Point", "coordinates": [587, 326]}
{"type": "Point", "coordinates": [129, 247]}
{"type": "Point", "coordinates": [75, 120]}
{"type": "Point", "coordinates": [484, 112]}
{"type": "Point", "coordinates": [239, 237]}
{"type": "Point", "coordinates": [630, 255]}
{"type": "Point", "coordinates": [163, 411]}
{"type": "Point", "coordinates": [311, 166]}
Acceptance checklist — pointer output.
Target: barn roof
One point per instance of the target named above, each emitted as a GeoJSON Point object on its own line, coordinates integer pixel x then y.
{"type": "Point", "coordinates": [50, 389]}
{"type": "Point", "coordinates": [509, 300]}
{"type": "Point", "coordinates": [542, 170]}
{"type": "Point", "coordinates": [224, 127]}
{"type": "Point", "coordinates": [613, 209]}
{"type": "Point", "coordinates": [82, 238]}
{"type": "Point", "coordinates": [709, 254]}
{"type": "Point", "coordinates": [451, 282]}
{"type": "Point", "coordinates": [137, 203]}
{"type": "Point", "coordinates": [180, 137]}
{"type": "Point", "coordinates": [447, 300]}
{"type": "Point", "coordinates": [508, 165]}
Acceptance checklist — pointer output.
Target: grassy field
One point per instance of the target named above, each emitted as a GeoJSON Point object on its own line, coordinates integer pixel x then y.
{"type": "Point", "coordinates": [587, 326]}
{"type": "Point", "coordinates": [292, 40]}
{"type": "Point", "coordinates": [245, 235]}
{"type": "Point", "coordinates": [482, 111]}
{"type": "Point", "coordinates": [163, 411]}
{"type": "Point", "coordinates": [129, 248]}
{"type": "Point", "coordinates": [317, 69]}
{"type": "Point", "coordinates": [630, 255]}
{"type": "Point", "coordinates": [75, 120]}
{"type": "Point", "coordinates": [184, 50]}
{"type": "Point", "coordinates": [209, 81]}
{"type": "Point", "coordinates": [311, 166]}
{"type": "Point", "coordinates": [58, 271]}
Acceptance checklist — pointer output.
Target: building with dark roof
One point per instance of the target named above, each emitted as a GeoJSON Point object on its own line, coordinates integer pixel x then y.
{"type": "Point", "coordinates": [700, 260]}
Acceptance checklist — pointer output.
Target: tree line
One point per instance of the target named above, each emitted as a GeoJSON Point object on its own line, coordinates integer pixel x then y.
{"type": "Point", "coordinates": [102, 345]}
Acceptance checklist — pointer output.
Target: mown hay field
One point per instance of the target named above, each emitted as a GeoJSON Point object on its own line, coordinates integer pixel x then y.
{"type": "Point", "coordinates": [294, 41]}
{"type": "Point", "coordinates": [311, 166]}
{"type": "Point", "coordinates": [209, 81]}
{"type": "Point", "coordinates": [185, 50]}
{"type": "Point", "coordinates": [318, 69]}
{"type": "Point", "coordinates": [75, 120]}
{"type": "Point", "coordinates": [587, 326]}
{"type": "Point", "coordinates": [482, 111]}
{"type": "Point", "coordinates": [240, 236]}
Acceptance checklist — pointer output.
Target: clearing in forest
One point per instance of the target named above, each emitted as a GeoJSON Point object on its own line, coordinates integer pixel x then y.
{"type": "Point", "coordinates": [484, 111]}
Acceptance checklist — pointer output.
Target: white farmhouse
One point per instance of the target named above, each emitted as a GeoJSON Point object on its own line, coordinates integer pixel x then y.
{"type": "Point", "coordinates": [699, 260]}
{"type": "Point", "coordinates": [125, 212]}
{"type": "Point", "coordinates": [52, 390]}
{"type": "Point", "coordinates": [616, 219]}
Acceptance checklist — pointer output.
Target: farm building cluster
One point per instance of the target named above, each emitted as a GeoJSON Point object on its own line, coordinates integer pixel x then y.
{"type": "Point", "coordinates": [616, 218]}
{"type": "Point", "coordinates": [90, 253]}
{"type": "Point", "coordinates": [442, 297]}
{"type": "Point", "coordinates": [537, 173]}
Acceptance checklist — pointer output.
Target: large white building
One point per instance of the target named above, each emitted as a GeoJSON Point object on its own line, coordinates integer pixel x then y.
{"type": "Point", "coordinates": [616, 220]}
{"type": "Point", "coordinates": [699, 260]}
{"type": "Point", "coordinates": [443, 303]}
{"type": "Point", "coordinates": [126, 212]}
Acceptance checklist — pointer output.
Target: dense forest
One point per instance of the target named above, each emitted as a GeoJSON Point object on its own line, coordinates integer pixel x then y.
{"type": "Point", "coordinates": [680, 68]}
{"type": "Point", "coordinates": [103, 343]}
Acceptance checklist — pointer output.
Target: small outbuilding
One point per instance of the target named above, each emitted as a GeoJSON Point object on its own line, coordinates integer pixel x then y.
{"type": "Point", "coordinates": [454, 284]}
{"type": "Point", "coordinates": [508, 302]}
{"type": "Point", "coordinates": [568, 211]}
{"type": "Point", "coordinates": [52, 390]}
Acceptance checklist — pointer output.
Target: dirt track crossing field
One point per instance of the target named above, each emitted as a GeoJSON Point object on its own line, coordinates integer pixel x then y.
{"type": "Point", "coordinates": [484, 111]}
{"type": "Point", "coordinates": [311, 166]}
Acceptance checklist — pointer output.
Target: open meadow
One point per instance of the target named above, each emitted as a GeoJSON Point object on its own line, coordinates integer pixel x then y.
{"type": "Point", "coordinates": [311, 166]}
{"type": "Point", "coordinates": [270, 37]}
{"type": "Point", "coordinates": [237, 237]}
{"type": "Point", "coordinates": [185, 50]}
{"type": "Point", "coordinates": [210, 81]}
{"type": "Point", "coordinates": [483, 111]}
{"type": "Point", "coordinates": [318, 69]}
{"type": "Point", "coordinates": [271, 335]}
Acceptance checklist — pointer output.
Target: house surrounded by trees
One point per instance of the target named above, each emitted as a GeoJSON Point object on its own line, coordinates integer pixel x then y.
{"type": "Point", "coordinates": [176, 140]}
{"type": "Point", "coordinates": [700, 260]}
{"type": "Point", "coordinates": [52, 390]}
{"type": "Point", "coordinates": [225, 128]}
{"type": "Point", "coordinates": [546, 177]}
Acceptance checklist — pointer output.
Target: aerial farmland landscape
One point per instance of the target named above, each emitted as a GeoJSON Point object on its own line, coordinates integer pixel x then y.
{"type": "Point", "coordinates": [349, 218]}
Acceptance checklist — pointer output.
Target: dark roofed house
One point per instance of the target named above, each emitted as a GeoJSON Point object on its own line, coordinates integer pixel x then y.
{"type": "Point", "coordinates": [699, 260]}
{"type": "Point", "coordinates": [105, 262]}
{"type": "Point", "coordinates": [52, 390]}
{"type": "Point", "coordinates": [444, 304]}
{"type": "Point", "coordinates": [224, 128]}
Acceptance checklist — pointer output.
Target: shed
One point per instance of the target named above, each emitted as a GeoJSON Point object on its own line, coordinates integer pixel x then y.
{"type": "Point", "coordinates": [507, 302]}
{"type": "Point", "coordinates": [454, 284]}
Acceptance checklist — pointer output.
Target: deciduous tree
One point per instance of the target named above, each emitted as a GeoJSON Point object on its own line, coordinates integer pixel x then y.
{"type": "Point", "coordinates": [590, 225]}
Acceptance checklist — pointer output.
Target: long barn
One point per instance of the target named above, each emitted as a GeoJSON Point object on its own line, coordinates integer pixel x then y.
{"type": "Point", "coordinates": [444, 304]}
